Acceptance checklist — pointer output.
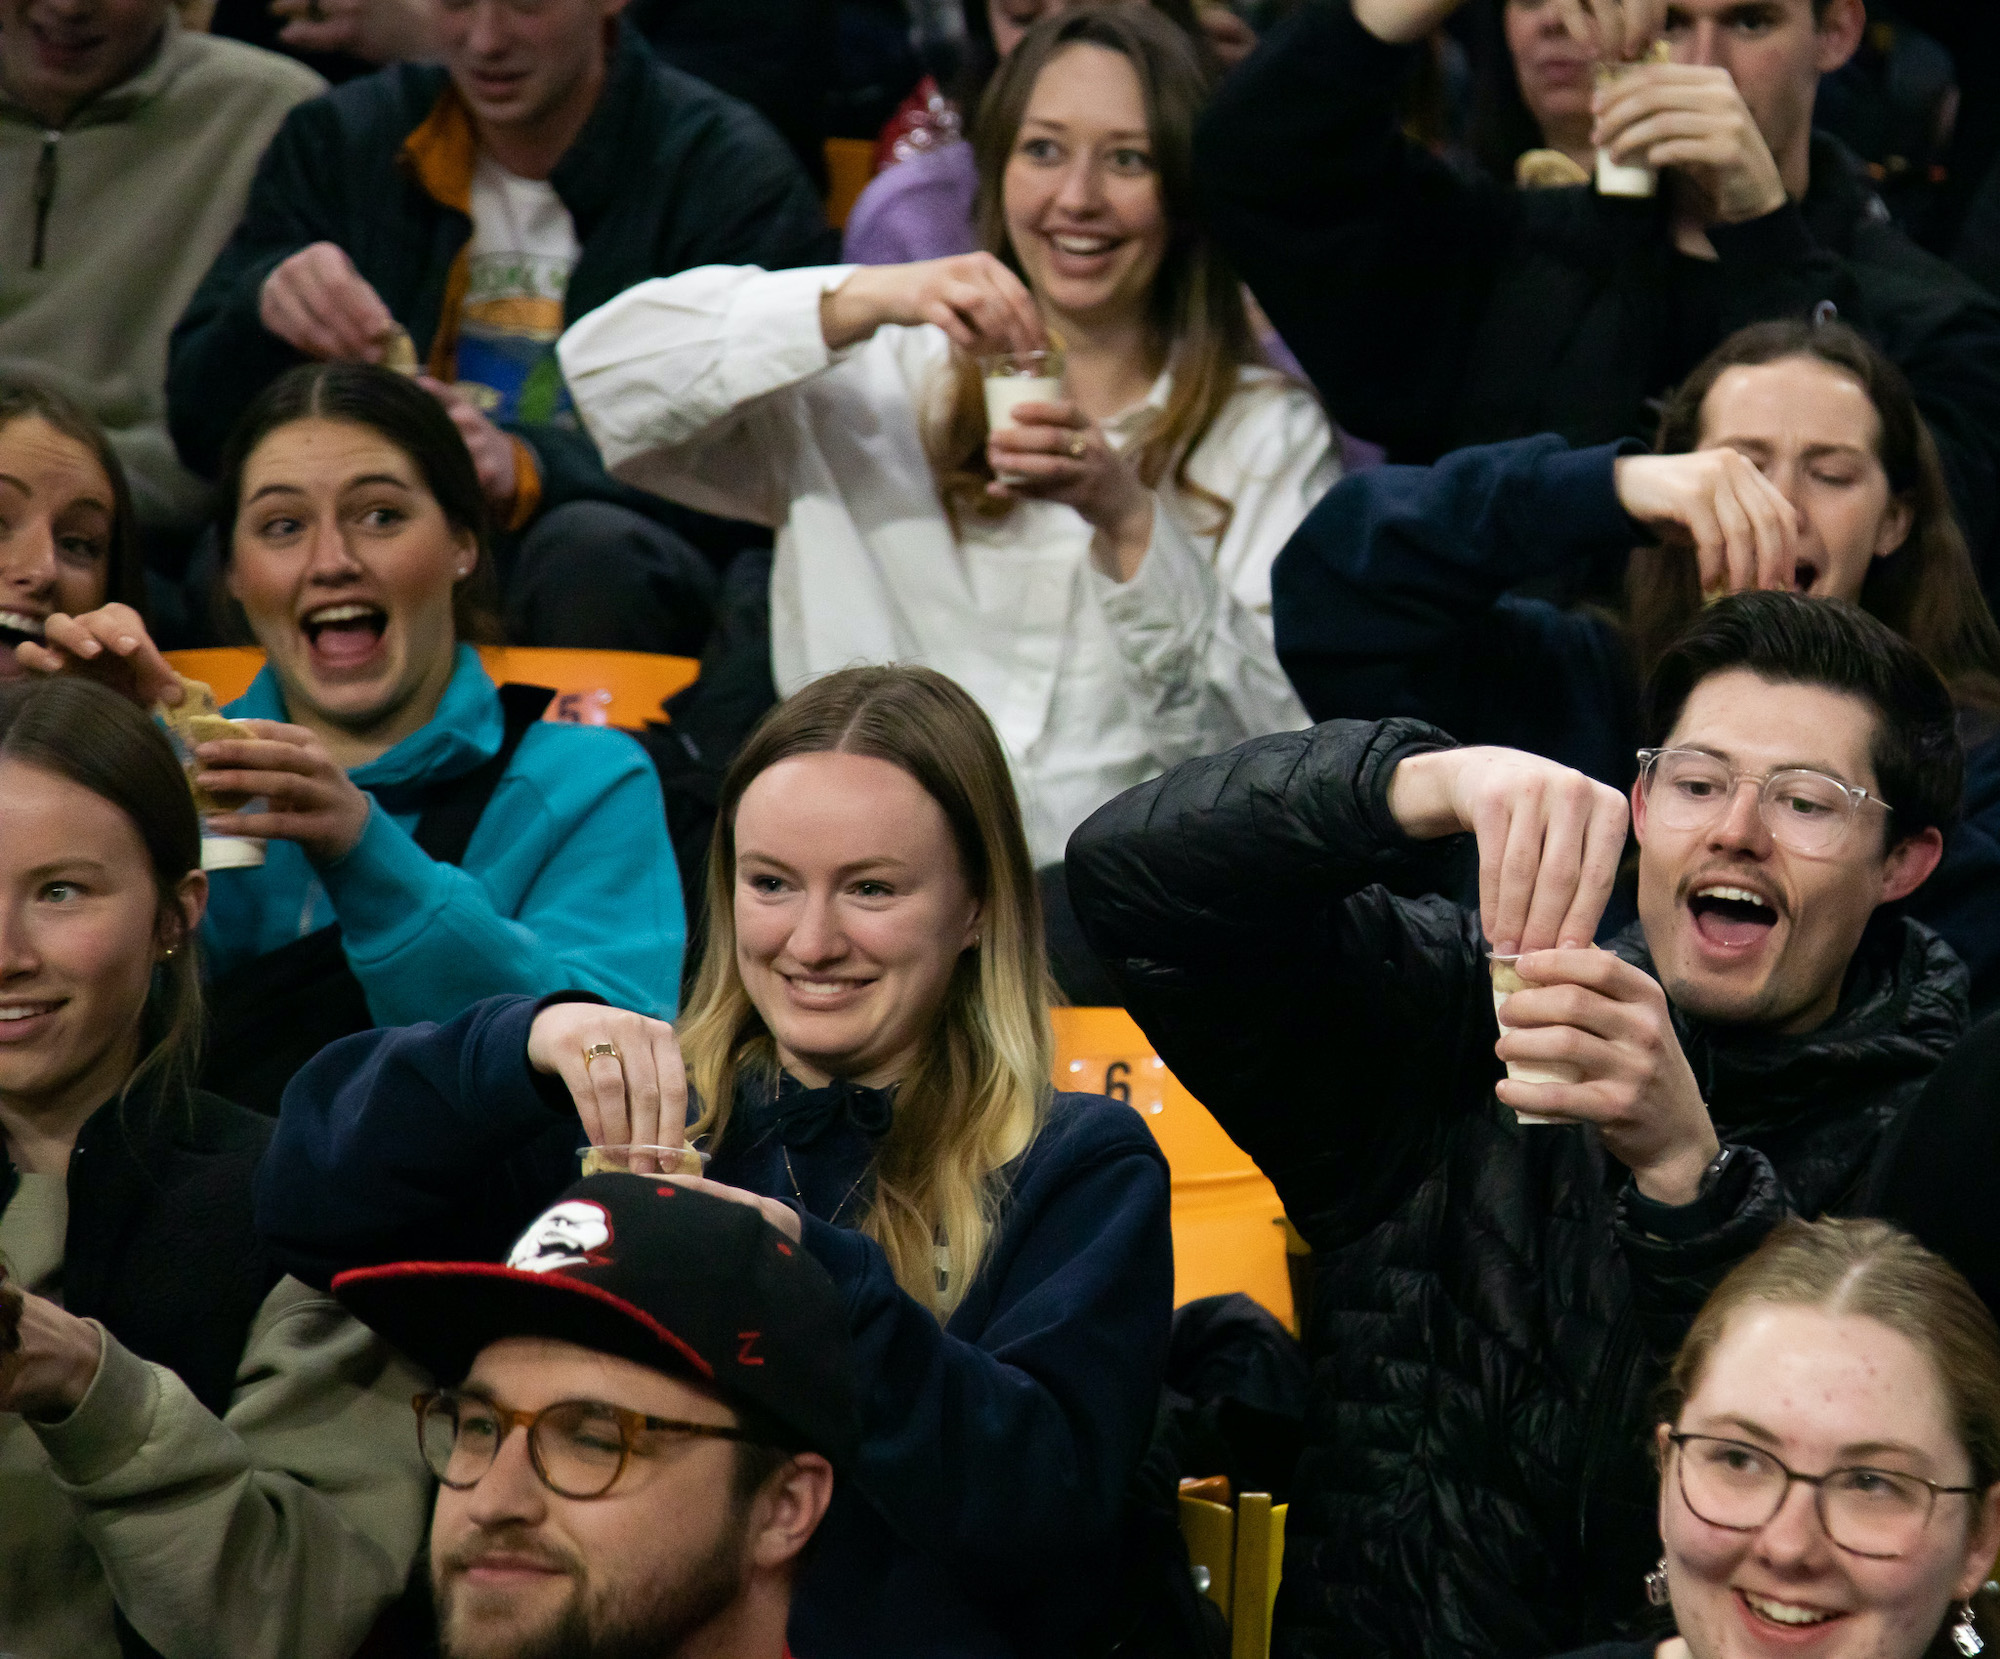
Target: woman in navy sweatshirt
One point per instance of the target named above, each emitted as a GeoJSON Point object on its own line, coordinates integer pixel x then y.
{"type": "Point", "coordinates": [867, 1048]}
{"type": "Point", "coordinates": [1793, 457]}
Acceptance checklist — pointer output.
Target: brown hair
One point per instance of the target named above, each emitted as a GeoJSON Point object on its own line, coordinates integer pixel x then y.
{"type": "Point", "coordinates": [87, 734]}
{"type": "Point", "coordinates": [124, 575]}
{"type": "Point", "coordinates": [1873, 1271]}
{"type": "Point", "coordinates": [400, 411]}
{"type": "Point", "coordinates": [1927, 590]}
{"type": "Point", "coordinates": [1197, 318]}
{"type": "Point", "coordinates": [975, 1098]}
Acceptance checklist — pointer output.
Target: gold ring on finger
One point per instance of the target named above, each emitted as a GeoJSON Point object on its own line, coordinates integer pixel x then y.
{"type": "Point", "coordinates": [602, 1051]}
{"type": "Point", "coordinates": [1077, 446]}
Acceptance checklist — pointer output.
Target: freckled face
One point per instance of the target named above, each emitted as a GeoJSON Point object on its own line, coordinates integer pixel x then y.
{"type": "Point", "coordinates": [1820, 1391]}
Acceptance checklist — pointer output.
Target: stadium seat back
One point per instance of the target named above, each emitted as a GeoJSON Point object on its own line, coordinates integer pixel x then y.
{"type": "Point", "coordinates": [1228, 1222]}
{"type": "Point", "coordinates": [593, 688]}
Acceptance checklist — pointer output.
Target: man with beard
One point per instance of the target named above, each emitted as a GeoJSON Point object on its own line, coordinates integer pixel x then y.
{"type": "Point", "coordinates": [679, 1378]}
{"type": "Point", "coordinates": [1494, 1300]}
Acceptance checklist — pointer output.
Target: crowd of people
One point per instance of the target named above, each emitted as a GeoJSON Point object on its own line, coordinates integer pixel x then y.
{"type": "Point", "coordinates": [1469, 616]}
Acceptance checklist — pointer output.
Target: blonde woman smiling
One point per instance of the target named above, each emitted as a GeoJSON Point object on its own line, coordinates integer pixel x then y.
{"type": "Point", "coordinates": [869, 1046]}
{"type": "Point", "coordinates": [1108, 603]}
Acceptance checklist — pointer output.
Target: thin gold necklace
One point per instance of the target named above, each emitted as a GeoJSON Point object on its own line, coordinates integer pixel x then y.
{"type": "Point", "coordinates": [833, 1219]}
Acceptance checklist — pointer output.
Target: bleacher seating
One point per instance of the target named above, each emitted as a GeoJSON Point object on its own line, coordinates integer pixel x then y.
{"type": "Point", "coordinates": [1228, 1223]}
{"type": "Point", "coordinates": [593, 688]}
{"type": "Point", "coordinates": [1238, 1555]}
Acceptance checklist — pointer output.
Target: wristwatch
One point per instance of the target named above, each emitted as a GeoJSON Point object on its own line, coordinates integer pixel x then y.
{"type": "Point", "coordinates": [1712, 1172]}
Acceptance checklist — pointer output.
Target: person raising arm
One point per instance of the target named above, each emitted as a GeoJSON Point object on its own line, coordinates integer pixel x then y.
{"type": "Point", "coordinates": [1494, 1299]}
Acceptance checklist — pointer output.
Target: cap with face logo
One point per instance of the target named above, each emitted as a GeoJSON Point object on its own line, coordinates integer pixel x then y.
{"type": "Point", "coordinates": [682, 1281]}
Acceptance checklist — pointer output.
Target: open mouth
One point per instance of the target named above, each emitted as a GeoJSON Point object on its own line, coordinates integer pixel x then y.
{"type": "Point", "coordinates": [1730, 917]}
{"type": "Point", "coordinates": [16, 626]}
{"type": "Point", "coordinates": [1788, 1616]}
{"type": "Point", "coordinates": [345, 635]}
{"type": "Point", "coordinates": [1804, 576]}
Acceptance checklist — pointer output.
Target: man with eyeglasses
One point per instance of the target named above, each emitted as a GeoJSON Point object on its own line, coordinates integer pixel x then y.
{"type": "Point", "coordinates": [1494, 1300]}
{"type": "Point", "coordinates": [646, 1403]}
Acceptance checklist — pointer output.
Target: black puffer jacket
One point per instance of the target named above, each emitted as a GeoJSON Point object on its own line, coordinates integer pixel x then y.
{"type": "Point", "coordinates": [1493, 1304]}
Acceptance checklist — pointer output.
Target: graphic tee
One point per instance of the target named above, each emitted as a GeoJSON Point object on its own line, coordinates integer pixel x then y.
{"type": "Point", "coordinates": [523, 249]}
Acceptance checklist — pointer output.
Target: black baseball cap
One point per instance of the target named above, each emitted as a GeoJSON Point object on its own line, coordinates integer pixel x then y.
{"type": "Point", "coordinates": [694, 1285]}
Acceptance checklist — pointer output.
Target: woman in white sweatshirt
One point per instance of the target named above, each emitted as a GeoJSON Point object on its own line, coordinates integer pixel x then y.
{"type": "Point", "coordinates": [1108, 604]}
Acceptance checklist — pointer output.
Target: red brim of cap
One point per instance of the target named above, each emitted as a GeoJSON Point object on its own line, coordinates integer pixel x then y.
{"type": "Point", "coordinates": [442, 1314]}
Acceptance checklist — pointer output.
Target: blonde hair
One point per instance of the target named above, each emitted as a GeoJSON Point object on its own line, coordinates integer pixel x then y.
{"type": "Point", "coordinates": [978, 1093]}
{"type": "Point", "coordinates": [1197, 319]}
{"type": "Point", "coordinates": [1875, 1271]}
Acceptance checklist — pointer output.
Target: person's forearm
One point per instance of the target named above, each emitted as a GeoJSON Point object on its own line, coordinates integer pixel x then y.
{"type": "Point", "coordinates": [477, 1141]}
{"type": "Point", "coordinates": [1402, 22]}
{"type": "Point", "coordinates": [852, 312]}
{"type": "Point", "coordinates": [195, 1534]}
{"type": "Point", "coordinates": [1420, 796]}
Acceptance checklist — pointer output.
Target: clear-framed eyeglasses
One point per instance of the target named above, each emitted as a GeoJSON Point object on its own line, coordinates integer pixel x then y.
{"type": "Point", "coordinates": [578, 1448]}
{"type": "Point", "coordinates": [1808, 812]}
{"type": "Point", "coordinates": [1877, 1513]}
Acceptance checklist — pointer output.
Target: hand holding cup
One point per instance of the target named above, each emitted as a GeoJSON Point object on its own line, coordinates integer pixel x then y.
{"type": "Point", "coordinates": [1609, 1024]}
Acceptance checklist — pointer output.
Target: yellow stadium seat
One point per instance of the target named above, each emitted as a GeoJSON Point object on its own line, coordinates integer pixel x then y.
{"type": "Point", "coordinates": [227, 670]}
{"type": "Point", "coordinates": [850, 164]}
{"type": "Point", "coordinates": [1209, 1530]}
{"type": "Point", "coordinates": [593, 688]}
{"type": "Point", "coordinates": [1238, 1556]}
{"type": "Point", "coordinates": [1260, 1563]}
{"type": "Point", "coordinates": [1228, 1223]}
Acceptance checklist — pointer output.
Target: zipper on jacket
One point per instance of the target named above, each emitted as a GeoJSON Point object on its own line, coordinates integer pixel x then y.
{"type": "Point", "coordinates": [45, 194]}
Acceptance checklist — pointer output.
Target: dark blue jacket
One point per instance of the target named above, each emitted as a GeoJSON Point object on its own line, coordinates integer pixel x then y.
{"type": "Point", "coordinates": [981, 1514]}
{"type": "Point", "coordinates": [1394, 597]}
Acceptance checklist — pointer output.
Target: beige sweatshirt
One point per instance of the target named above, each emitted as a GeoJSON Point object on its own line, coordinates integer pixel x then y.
{"type": "Point", "coordinates": [127, 207]}
{"type": "Point", "coordinates": [278, 1531]}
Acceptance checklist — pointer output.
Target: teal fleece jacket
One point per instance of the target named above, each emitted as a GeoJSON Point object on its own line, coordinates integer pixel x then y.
{"type": "Point", "coordinates": [569, 882]}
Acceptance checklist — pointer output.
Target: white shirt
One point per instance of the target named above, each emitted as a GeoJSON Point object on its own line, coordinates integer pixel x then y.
{"type": "Point", "coordinates": [716, 389]}
{"type": "Point", "coordinates": [518, 267]}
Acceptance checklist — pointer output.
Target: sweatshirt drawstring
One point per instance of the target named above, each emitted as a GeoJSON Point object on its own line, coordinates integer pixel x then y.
{"type": "Point", "coordinates": [45, 194]}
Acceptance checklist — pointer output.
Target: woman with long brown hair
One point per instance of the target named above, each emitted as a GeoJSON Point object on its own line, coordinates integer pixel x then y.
{"type": "Point", "coordinates": [1096, 570]}
{"type": "Point", "coordinates": [1794, 456]}
{"type": "Point", "coordinates": [428, 839]}
{"type": "Point", "coordinates": [865, 1056]}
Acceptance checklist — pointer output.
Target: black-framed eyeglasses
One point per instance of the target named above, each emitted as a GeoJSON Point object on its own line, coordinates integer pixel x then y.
{"type": "Point", "coordinates": [1809, 812]}
{"type": "Point", "coordinates": [1878, 1513]}
{"type": "Point", "coordinates": [578, 1448]}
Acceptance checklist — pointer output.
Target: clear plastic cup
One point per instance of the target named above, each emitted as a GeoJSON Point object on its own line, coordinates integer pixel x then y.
{"type": "Point", "coordinates": [1506, 981]}
{"type": "Point", "coordinates": [1016, 377]}
{"type": "Point", "coordinates": [1624, 178]}
{"type": "Point", "coordinates": [230, 852]}
{"type": "Point", "coordinates": [634, 1158]}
